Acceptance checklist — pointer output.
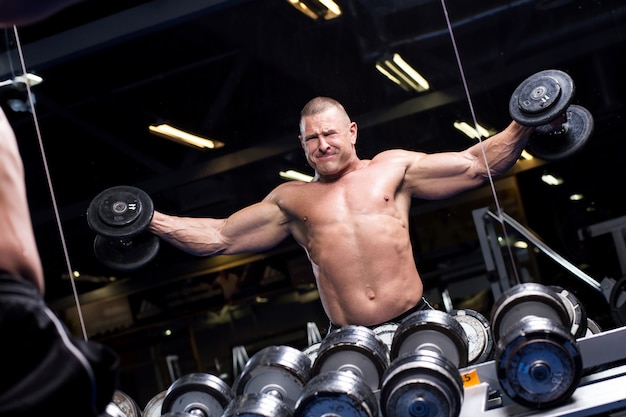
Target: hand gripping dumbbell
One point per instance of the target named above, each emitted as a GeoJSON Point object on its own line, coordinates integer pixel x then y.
{"type": "Point", "coordinates": [423, 378]}
{"type": "Point", "coordinates": [197, 394]}
{"type": "Point", "coordinates": [538, 362]}
{"type": "Point", "coordinates": [543, 101]}
{"type": "Point", "coordinates": [120, 215]}
{"type": "Point", "coordinates": [347, 371]}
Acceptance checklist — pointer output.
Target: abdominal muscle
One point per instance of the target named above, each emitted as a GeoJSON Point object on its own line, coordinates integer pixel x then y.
{"type": "Point", "coordinates": [365, 269]}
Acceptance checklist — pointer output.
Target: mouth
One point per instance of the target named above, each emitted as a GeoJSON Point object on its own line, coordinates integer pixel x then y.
{"type": "Point", "coordinates": [325, 157]}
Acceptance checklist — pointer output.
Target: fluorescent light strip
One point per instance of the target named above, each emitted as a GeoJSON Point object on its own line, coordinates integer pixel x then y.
{"type": "Point", "coordinates": [401, 73]}
{"type": "Point", "coordinates": [551, 179]}
{"type": "Point", "coordinates": [303, 8]}
{"type": "Point", "coordinates": [389, 75]}
{"type": "Point", "coordinates": [315, 9]}
{"type": "Point", "coordinates": [333, 9]}
{"type": "Point", "coordinates": [29, 78]}
{"type": "Point", "coordinates": [409, 71]}
{"type": "Point", "coordinates": [169, 132]}
{"type": "Point", "coordinates": [471, 131]}
{"type": "Point", "coordinates": [295, 175]}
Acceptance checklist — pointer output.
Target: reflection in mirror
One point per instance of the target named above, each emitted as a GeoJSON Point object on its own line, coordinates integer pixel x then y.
{"type": "Point", "coordinates": [239, 73]}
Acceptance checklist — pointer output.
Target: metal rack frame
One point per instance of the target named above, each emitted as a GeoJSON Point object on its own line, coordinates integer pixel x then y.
{"type": "Point", "coordinates": [492, 253]}
{"type": "Point", "coordinates": [597, 393]}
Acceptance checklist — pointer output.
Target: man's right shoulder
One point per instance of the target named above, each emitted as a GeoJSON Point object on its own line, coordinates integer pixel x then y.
{"type": "Point", "coordinates": [291, 192]}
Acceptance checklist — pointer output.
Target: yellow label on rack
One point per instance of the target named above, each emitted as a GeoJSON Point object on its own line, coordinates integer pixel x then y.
{"type": "Point", "coordinates": [470, 378]}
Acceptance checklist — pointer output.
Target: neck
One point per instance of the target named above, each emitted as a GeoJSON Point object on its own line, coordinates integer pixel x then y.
{"type": "Point", "coordinates": [354, 165]}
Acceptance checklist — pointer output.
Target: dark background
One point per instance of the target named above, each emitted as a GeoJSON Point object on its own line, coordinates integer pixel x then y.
{"type": "Point", "coordinates": [239, 72]}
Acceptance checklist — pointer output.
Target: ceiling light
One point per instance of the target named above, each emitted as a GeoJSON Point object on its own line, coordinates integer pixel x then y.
{"type": "Point", "coordinates": [520, 244]}
{"type": "Point", "coordinates": [169, 132]}
{"type": "Point", "coordinates": [477, 132]}
{"type": "Point", "coordinates": [28, 78]}
{"type": "Point", "coordinates": [400, 72]}
{"type": "Point", "coordinates": [551, 179]}
{"type": "Point", "coordinates": [525, 155]}
{"type": "Point", "coordinates": [295, 176]}
{"type": "Point", "coordinates": [315, 9]}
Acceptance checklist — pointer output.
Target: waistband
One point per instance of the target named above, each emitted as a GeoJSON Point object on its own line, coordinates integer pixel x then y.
{"type": "Point", "coordinates": [13, 286]}
{"type": "Point", "coordinates": [421, 305]}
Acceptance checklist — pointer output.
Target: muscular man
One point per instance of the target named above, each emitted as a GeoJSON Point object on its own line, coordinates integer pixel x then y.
{"type": "Point", "coordinates": [353, 218]}
{"type": "Point", "coordinates": [44, 366]}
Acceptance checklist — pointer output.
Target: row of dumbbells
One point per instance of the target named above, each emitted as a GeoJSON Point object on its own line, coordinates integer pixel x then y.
{"type": "Point", "coordinates": [414, 368]}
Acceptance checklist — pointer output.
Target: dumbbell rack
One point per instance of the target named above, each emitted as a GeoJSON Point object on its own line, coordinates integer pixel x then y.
{"type": "Point", "coordinates": [605, 352]}
{"type": "Point", "coordinates": [598, 392]}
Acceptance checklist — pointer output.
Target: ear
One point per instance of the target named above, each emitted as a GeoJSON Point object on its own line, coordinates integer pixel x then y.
{"type": "Point", "coordinates": [353, 132]}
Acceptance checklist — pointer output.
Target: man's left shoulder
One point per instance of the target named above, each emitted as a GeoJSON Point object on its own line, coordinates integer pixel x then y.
{"type": "Point", "coordinates": [394, 156]}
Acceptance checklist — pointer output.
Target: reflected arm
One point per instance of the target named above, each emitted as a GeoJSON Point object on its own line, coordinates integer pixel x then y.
{"type": "Point", "coordinates": [18, 249]}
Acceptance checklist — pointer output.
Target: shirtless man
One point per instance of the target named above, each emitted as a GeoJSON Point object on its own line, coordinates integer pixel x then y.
{"type": "Point", "coordinates": [352, 219]}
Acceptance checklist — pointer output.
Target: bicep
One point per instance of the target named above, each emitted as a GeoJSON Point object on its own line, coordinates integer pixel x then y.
{"type": "Point", "coordinates": [441, 175]}
{"type": "Point", "coordinates": [255, 228]}
{"type": "Point", "coordinates": [252, 229]}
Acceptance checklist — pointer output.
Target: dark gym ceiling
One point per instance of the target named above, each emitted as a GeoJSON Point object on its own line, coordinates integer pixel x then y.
{"type": "Point", "coordinates": [239, 72]}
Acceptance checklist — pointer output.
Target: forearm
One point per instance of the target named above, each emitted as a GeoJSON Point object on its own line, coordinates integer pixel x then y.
{"type": "Point", "coordinates": [250, 230]}
{"type": "Point", "coordinates": [501, 150]}
{"type": "Point", "coordinates": [196, 236]}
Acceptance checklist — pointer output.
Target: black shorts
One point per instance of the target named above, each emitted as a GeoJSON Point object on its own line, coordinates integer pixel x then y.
{"type": "Point", "coordinates": [46, 370]}
{"type": "Point", "coordinates": [422, 305]}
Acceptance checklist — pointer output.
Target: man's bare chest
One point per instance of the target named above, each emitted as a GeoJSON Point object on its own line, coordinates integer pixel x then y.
{"type": "Point", "coordinates": [343, 201]}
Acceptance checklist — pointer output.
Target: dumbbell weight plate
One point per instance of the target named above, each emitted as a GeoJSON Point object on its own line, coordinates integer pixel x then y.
{"type": "Point", "coordinates": [258, 405]}
{"type": "Point", "coordinates": [521, 300]}
{"type": "Point", "coordinates": [541, 98]}
{"type": "Point", "coordinates": [538, 363]}
{"type": "Point", "coordinates": [311, 351]}
{"type": "Point", "coordinates": [337, 393]}
{"type": "Point", "coordinates": [386, 332]}
{"type": "Point", "coordinates": [421, 383]}
{"type": "Point", "coordinates": [554, 143]}
{"type": "Point", "coordinates": [617, 302]}
{"type": "Point", "coordinates": [120, 212]}
{"type": "Point", "coordinates": [153, 407]}
{"type": "Point", "coordinates": [278, 370]}
{"type": "Point", "coordinates": [354, 349]}
{"type": "Point", "coordinates": [122, 405]}
{"type": "Point", "coordinates": [126, 255]}
{"type": "Point", "coordinates": [435, 330]}
{"type": "Point", "coordinates": [197, 393]}
{"type": "Point", "coordinates": [478, 331]}
{"type": "Point", "coordinates": [576, 311]}
{"type": "Point", "coordinates": [592, 328]}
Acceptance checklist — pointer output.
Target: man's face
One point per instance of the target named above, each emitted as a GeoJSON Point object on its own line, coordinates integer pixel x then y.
{"type": "Point", "coordinates": [328, 140]}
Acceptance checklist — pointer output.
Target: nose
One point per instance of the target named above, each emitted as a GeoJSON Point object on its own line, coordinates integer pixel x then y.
{"type": "Point", "coordinates": [323, 145]}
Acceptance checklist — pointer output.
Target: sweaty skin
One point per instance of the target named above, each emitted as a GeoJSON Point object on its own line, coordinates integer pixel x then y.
{"type": "Point", "coordinates": [18, 249]}
{"type": "Point", "coordinates": [353, 218]}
